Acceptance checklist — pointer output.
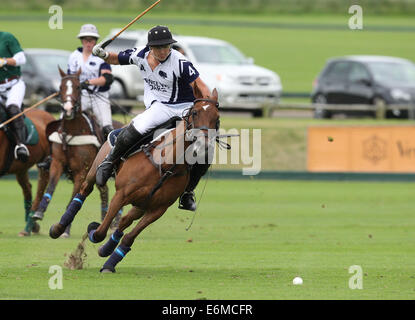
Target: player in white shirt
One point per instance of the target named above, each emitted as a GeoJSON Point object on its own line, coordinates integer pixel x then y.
{"type": "Point", "coordinates": [96, 78]}
{"type": "Point", "coordinates": [169, 84]}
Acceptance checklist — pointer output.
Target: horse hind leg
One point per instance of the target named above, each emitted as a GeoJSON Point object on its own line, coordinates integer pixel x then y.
{"type": "Point", "coordinates": [134, 214]}
{"type": "Point", "coordinates": [128, 240]}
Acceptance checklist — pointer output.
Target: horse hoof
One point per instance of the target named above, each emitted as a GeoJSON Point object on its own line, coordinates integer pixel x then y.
{"type": "Point", "coordinates": [93, 226]}
{"type": "Point", "coordinates": [106, 270]}
{"type": "Point", "coordinates": [56, 230]}
{"type": "Point", "coordinates": [36, 228]}
{"type": "Point", "coordinates": [23, 234]}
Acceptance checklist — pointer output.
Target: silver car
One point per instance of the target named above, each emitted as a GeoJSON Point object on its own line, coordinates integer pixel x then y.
{"type": "Point", "coordinates": [40, 73]}
{"type": "Point", "coordinates": [240, 83]}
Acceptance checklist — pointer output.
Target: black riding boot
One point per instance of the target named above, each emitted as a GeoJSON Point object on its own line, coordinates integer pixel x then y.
{"type": "Point", "coordinates": [187, 200]}
{"type": "Point", "coordinates": [20, 152]}
{"type": "Point", "coordinates": [125, 140]}
{"type": "Point", "coordinates": [106, 131]}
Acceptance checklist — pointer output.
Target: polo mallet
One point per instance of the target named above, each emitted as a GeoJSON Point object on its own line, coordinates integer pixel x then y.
{"type": "Point", "coordinates": [106, 43]}
{"type": "Point", "coordinates": [28, 109]}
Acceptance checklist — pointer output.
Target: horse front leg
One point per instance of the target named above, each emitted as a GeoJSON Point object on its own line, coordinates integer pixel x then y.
{"type": "Point", "coordinates": [24, 182]}
{"type": "Point", "coordinates": [79, 195]}
{"type": "Point", "coordinates": [134, 214]}
{"type": "Point", "coordinates": [87, 187]}
{"type": "Point", "coordinates": [77, 182]}
{"type": "Point", "coordinates": [103, 194]}
{"type": "Point", "coordinates": [97, 232]}
{"type": "Point", "coordinates": [128, 240]}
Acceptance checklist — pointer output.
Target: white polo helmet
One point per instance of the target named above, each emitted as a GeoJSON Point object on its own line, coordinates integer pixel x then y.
{"type": "Point", "coordinates": [88, 30]}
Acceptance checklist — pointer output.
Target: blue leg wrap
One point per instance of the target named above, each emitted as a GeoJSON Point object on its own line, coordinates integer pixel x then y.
{"type": "Point", "coordinates": [111, 244]}
{"type": "Point", "coordinates": [72, 210]}
{"type": "Point", "coordinates": [116, 257]}
{"type": "Point", "coordinates": [45, 202]}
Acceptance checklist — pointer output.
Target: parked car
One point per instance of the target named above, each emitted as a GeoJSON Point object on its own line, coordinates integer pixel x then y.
{"type": "Point", "coordinates": [40, 73]}
{"type": "Point", "coordinates": [371, 80]}
{"type": "Point", "coordinates": [240, 83]}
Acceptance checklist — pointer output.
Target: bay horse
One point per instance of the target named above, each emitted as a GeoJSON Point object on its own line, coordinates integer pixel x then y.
{"type": "Point", "coordinates": [39, 150]}
{"type": "Point", "coordinates": [75, 143]}
{"type": "Point", "coordinates": [146, 181]}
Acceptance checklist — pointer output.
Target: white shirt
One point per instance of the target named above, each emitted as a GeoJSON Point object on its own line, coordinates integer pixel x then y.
{"type": "Point", "coordinates": [169, 82]}
{"type": "Point", "coordinates": [91, 68]}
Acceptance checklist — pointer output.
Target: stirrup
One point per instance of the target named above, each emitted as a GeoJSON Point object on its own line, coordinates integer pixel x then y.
{"type": "Point", "coordinates": [21, 156]}
{"type": "Point", "coordinates": [189, 196]}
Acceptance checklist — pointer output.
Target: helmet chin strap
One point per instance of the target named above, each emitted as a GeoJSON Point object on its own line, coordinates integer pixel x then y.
{"type": "Point", "coordinates": [161, 61]}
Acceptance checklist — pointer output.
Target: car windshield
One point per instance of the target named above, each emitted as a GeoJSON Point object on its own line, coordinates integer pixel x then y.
{"type": "Point", "coordinates": [392, 72]}
{"type": "Point", "coordinates": [220, 54]}
{"type": "Point", "coordinates": [48, 63]}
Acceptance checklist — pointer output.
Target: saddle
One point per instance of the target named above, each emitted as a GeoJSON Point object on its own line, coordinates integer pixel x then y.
{"type": "Point", "coordinates": [96, 138]}
{"type": "Point", "coordinates": [149, 137]}
{"type": "Point", "coordinates": [32, 136]}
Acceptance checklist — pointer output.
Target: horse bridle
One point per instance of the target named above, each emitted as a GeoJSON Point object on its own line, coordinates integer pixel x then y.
{"type": "Point", "coordinates": [186, 118]}
{"type": "Point", "coordinates": [76, 102]}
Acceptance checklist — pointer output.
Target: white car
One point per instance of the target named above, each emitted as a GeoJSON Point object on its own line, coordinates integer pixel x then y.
{"type": "Point", "coordinates": [240, 83]}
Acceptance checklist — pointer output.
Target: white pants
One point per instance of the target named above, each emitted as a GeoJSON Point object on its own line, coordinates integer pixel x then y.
{"type": "Point", "coordinates": [12, 93]}
{"type": "Point", "coordinates": [100, 106]}
{"type": "Point", "coordinates": [156, 115]}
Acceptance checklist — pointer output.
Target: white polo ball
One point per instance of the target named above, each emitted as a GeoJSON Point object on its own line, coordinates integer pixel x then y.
{"type": "Point", "coordinates": [297, 281]}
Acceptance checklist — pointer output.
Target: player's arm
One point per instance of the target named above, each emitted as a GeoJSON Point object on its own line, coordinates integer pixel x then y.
{"type": "Point", "coordinates": [112, 58]}
{"type": "Point", "coordinates": [108, 57]}
{"type": "Point", "coordinates": [106, 78]}
{"type": "Point", "coordinates": [17, 60]}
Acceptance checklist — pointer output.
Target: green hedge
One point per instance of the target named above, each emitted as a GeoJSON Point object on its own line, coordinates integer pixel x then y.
{"type": "Point", "coordinates": [226, 6]}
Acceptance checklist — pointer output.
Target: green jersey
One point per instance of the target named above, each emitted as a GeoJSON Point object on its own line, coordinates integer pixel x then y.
{"type": "Point", "coordinates": [9, 46]}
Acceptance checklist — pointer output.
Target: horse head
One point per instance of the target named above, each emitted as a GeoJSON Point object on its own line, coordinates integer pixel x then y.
{"type": "Point", "coordinates": [202, 125]}
{"type": "Point", "coordinates": [70, 94]}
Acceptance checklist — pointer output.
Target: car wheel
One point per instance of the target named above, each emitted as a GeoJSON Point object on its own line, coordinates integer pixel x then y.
{"type": "Point", "coordinates": [257, 113]}
{"type": "Point", "coordinates": [319, 112]}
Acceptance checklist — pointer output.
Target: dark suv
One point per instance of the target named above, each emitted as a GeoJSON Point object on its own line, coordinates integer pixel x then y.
{"type": "Point", "coordinates": [371, 80]}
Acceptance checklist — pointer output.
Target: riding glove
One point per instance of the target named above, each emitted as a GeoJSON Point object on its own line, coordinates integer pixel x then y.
{"type": "Point", "coordinates": [99, 52]}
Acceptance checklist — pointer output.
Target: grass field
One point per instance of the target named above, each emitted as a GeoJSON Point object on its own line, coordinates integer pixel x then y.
{"type": "Point", "coordinates": [296, 47]}
{"type": "Point", "coordinates": [248, 241]}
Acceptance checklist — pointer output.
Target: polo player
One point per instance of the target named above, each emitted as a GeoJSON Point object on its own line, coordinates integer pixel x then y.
{"type": "Point", "coordinates": [12, 89]}
{"type": "Point", "coordinates": [170, 83]}
{"type": "Point", "coordinates": [96, 78]}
